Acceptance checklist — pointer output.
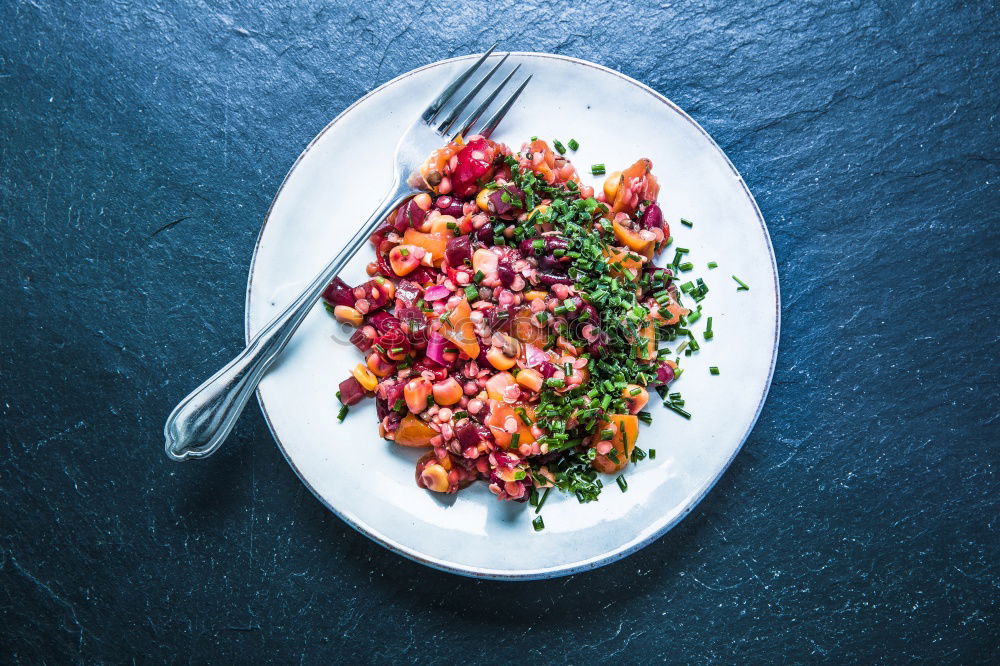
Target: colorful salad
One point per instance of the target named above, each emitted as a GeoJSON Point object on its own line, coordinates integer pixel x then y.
{"type": "Point", "coordinates": [513, 321]}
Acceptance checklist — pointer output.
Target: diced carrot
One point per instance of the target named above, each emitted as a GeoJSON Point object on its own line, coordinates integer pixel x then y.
{"type": "Point", "coordinates": [457, 326]}
{"type": "Point", "coordinates": [522, 328]}
{"type": "Point", "coordinates": [632, 240]}
{"type": "Point", "coordinates": [413, 432]}
{"type": "Point", "coordinates": [646, 188]}
{"type": "Point", "coordinates": [434, 243]}
{"type": "Point", "coordinates": [632, 266]}
{"type": "Point", "coordinates": [497, 421]}
{"type": "Point", "coordinates": [626, 432]}
{"type": "Point", "coordinates": [496, 385]}
{"type": "Point", "coordinates": [647, 353]}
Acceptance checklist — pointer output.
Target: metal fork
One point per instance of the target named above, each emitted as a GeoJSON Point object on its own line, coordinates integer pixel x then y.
{"type": "Point", "coordinates": [200, 423]}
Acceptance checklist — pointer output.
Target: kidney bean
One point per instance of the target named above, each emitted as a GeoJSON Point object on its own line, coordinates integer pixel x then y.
{"type": "Point", "coordinates": [652, 217]}
{"type": "Point", "coordinates": [449, 206]}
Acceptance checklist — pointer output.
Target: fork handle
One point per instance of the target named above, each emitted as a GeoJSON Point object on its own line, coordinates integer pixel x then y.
{"type": "Point", "coordinates": [202, 421]}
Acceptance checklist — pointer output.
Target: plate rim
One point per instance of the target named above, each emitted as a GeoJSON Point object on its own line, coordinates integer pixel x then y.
{"type": "Point", "coordinates": [573, 567]}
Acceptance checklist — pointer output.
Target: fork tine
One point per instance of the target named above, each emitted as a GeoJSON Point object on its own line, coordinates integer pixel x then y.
{"type": "Point", "coordinates": [474, 116]}
{"type": "Point", "coordinates": [453, 115]}
{"type": "Point", "coordinates": [435, 107]}
{"type": "Point", "coordinates": [492, 123]}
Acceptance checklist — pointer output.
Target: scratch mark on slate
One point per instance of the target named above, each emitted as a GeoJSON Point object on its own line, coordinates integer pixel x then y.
{"type": "Point", "coordinates": [171, 224]}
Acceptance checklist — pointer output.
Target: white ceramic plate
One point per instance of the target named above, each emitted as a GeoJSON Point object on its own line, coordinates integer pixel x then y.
{"type": "Point", "coordinates": [369, 482]}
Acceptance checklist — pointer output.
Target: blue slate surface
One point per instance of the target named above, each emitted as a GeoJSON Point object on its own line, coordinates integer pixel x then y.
{"type": "Point", "coordinates": [140, 145]}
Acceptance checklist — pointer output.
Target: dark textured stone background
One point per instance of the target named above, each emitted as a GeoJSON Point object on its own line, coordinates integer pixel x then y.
{"type": "Point", "coordinates": [141, 145]}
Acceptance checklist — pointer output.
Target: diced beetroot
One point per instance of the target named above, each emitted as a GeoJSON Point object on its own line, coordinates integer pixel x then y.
{"type": "Point", "coordinates": [440, 371]}
{"type": "Point", "coordinates": [376, 291]}
{"type": "Point", "coordinates": [474, 168]}
{"type": "Point", "coordinates": [414, 324]}
{"type": "Point", "coordinates": [507, 209]}
{"type": "Point", "coordinates": [407, 293]}
{"type": "Point", "coordinates": [472, 434]}
{"type": "Point", "coordinates": [422, 275]}
{"type": "Point", "coordinates": [351, 391]}
{"type": "Point", "coordinates": [386, 396]}
{"type": "Point", "coordinates": [499, 318]}
{"type": "Point", "coordinates": [383, 321]}
{"type": "Point", "coordinates": [339, 292]}
{"type": "Point", "coordinates": [408, 215]}
{"type": "Point", "coordinates": [362, 340]}
{"type": "Point", "coordinates": [458, 252]}
{"type": "Point", "coordinates": [395, 343]}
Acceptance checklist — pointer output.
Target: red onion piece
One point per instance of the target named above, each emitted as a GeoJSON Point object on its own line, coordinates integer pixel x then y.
{"type": "Point", "coordinates": [664, 374]}
{"type": "Point", "coordinates": [436, 293]}
{"type": "Point", "coordinates": [533, 356]}
{"type": "Point", "coordinates": [436, 345]}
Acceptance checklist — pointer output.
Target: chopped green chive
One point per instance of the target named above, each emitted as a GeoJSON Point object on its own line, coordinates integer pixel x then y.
{"type": "Point", "coordinates": [557, 144]}
{"type": "Point", "coordinates": [686, 266]}
{"type": "Point", "coordinates": [538, 524]}
{"type": "Point", "coordinates": [541, 502]}
{"type": "Point", "coordinates": [675, 408]}
{"type": "Point", "coordinates": [471, 293]}
{"type": "Point", "coordinates": [713, 370]}
{"type": "Point", "coordinates": [515, 439]}
{"type": "Point", "coordinates": [622, 483]}
{"type": "Point", "coordinates": [597, 169]}
{"type": "Point", "coordinates": [743, 285]}
{"type": "Point", "coordinates": [645, 417]}
{"type": "Point", "coordinates": [713, 264]}
{"type": "Point", "coordinates": [652, 454]}
{"type": "Point", "coordinates": [343, 413]}
{"type": "Point", "coordinates": [478, 277]}
{"type": "Point", "coordinates": [687, 223]}
{"type": "Point", "coordinates": [709, 333]}
{"type": "Point", "coordinates": [573, 144]}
